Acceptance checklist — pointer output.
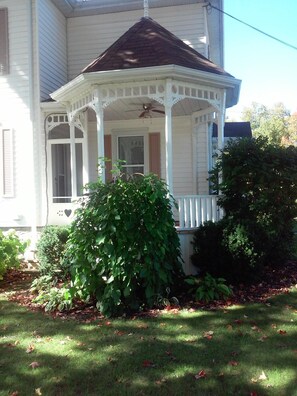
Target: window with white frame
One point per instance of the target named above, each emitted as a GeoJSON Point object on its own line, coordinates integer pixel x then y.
{"type": "Point", "coordinates": [60, 170]}
{"type": "Point", "coordinates": [131, 148]}
{"type": "Point", "coordinates": [4, 53]}
{"type": "Point", "coordinates": [131, 152]}
{"type": "Point", "coordinates": [6, 162]}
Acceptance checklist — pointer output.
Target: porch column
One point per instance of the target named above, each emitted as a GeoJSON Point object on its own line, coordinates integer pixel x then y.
{"type": "Point", "coordinates": [221, 124]}
{"type": "Point", "coordinates": [168, 135]}
{"type": "Point", "coordinates": [221, 121]}
{"type": "Point", "coordinates": [100, 135]}
{"type": "Point", "coordinates": [73, 161]}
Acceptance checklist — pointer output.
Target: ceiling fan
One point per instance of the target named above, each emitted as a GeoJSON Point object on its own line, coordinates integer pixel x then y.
{"type": "Point", "coordinates": [147, 109]}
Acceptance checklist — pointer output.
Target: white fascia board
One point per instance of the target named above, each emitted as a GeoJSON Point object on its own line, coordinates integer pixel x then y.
{"type": "Point", "coordinates": [85, 81]}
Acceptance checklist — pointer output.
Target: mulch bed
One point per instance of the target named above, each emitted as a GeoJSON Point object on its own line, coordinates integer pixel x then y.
{"type": "Point", "coordinates": [16, 285]}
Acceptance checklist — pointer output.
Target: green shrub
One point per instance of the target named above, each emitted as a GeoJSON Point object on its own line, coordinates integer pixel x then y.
{"type": "Point", "coordinates": [259, 190]}
{"type": "Point", "coordinates": [50, 249]}
{"type": "Point", "coordinates": [226, 249]}
{"type": "Point", "coordinates": [209, 253]}
{"type": "Point", "coordinates": [11, 247]}
{"type": "Point", "coordinates": [123, 247]}
{"type": "Point", "coordinates": [258, 195]}
{"type": "Point", "coordinates": [208, 288]}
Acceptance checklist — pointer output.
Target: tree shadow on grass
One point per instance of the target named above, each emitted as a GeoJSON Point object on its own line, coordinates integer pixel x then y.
{"type": "Point", "coordinates": [156, 356]}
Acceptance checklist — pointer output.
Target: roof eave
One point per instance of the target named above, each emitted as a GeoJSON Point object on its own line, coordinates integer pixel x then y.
{"type": "Point", "coordinates": [84, 81]}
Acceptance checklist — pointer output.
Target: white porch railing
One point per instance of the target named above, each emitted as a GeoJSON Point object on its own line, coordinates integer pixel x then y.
{"type": "Point", "coordinates": [194, 210]}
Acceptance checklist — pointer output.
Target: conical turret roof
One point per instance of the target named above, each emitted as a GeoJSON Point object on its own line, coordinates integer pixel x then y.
{"type": "Point", "coordinates": [148, 44]}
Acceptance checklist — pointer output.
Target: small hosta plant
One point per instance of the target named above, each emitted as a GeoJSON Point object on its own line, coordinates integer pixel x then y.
{"type": "Point", "coordinates": [208, 288]}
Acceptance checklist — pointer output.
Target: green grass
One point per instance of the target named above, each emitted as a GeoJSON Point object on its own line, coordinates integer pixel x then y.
{"type": "Point", "coordinates": [152, 356]}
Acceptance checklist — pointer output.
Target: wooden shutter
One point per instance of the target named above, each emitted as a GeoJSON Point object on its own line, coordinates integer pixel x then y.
{"type": "Point", "coordinates": [155, 153]}
{"type": "Point", "coordinates": [7, 162]}
{"type": "Point", "coordinates": [4, 56]}
{"type": "Point", "coordinates": [107, 154]}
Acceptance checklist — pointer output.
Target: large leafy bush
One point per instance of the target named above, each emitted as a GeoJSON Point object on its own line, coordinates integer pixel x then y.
{"type": "Point", "coordinates": [258, 194]}
{"type": "Point", "coordinates": [123, 247]}
{"type": "Point", "coordinates": [11, 247]}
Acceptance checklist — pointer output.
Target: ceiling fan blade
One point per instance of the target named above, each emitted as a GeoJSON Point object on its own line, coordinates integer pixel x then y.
{"type": "Point", "coordinates": [158, 111]}
{"type": "Point", "coordinates": [141, 115]}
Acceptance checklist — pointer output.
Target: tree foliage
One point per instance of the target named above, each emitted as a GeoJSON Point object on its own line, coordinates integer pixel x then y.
{"type": "Point", "coordinates": [276, 123]}
{"type": "Point", "coordinates": [123, 247]}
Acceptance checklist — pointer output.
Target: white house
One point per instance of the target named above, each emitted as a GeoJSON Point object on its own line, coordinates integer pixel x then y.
{"type": "Point", "coordinates": [81, 80]}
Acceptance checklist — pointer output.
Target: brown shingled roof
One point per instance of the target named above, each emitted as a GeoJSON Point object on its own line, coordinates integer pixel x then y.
{"type": "Point", "coordinates": [148, 44]}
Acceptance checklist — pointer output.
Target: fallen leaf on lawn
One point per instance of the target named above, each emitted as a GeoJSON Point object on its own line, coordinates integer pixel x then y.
{"type": "Point", "coordinates": [263, 338]}
{"type": "Point", "coordinates": [262, 376]}
{"type": "Point", "coordinates": [282, 332]}
{"type": "Point", "coordinates": [38, 391]}
{"type": "Point", "coordinates": [148, 363]}
{"type": "Point", "coordinates": [201, 374]}
{"type": "Point", "coordinates": [15, 393]}
{"type": "Point", "coordinates": [273, 326]}
{"type": "Point", "coordinates": [161, 381]}
{"type": "Point", "coordinates": [119, 333]}
{"type": "Point", "coordinates": [254, 380]}
{"type": "Point", "coordinates": [80, 344]}
{"type": "Point", "coordinates": [34, 365]}
{"type": "Point", "coordinates": [233, 363]}
{"type": "Point", "coordinates": [142, 326]}
{"type": "Point", "coordinates": [238, 321]}
{"type": "Point", "coordinates": [255, 328]}
{"type": "Point", "coordinates": [234, 353]}
{"type": "Point", "coordinates": [253, 394]}
{"type": "Point", "coordinates": [108, 323]}
{"type": "Point", "coordinates": [11, 345]}
{"type": "Point", "coordinates": [30, 348]}
{"type": "Point", "coordinates": [245, 316]}
{"type": "Point", "coordinates": [229, 327]}
{"type": "Point", "coordinates": [208, 335]}
{"type": "Point", "coordinates": [221, 374]}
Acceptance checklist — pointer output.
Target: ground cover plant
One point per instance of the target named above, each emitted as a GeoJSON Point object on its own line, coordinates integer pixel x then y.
{"type": "Point", "coordinates": [241, 349]}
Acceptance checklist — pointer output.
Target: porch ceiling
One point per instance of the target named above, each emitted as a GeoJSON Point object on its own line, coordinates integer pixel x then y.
{"type": "Point", "coordinates": [131, 109]}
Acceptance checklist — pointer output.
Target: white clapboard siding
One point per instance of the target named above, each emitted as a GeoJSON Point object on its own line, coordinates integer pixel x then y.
{"type": "Point", "coordinates": [182, 156]}
{"type": "Point", "coordinates": [89, 36]}
{"type": "Point", "coordinates": [202, 158]}
{"type": "Point", "coordinates": [52, 48]}
{"type": "Point", "coordinates": [15, 115]}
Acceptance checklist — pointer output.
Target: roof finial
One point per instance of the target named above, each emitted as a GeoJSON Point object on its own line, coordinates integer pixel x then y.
{"type": "Point", "coordinates": [146, 8]}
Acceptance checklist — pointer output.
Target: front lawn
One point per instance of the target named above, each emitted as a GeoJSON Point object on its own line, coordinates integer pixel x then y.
{"type": "Point", "coordinates": [240, 350]}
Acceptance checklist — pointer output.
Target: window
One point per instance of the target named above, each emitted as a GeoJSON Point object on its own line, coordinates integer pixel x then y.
{"type": "Point", "coordinates": [4, 55]}
{"type": "Point", "coordinates": [6, 159]}
{"type": "Point", "coordinates": [131, 151]}
{"type": "Point", "coordinates": [60, 163]}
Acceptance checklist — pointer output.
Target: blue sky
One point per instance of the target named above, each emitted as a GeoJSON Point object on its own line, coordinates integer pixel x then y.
{"type": "Point", "coordinates": [268, 69]}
